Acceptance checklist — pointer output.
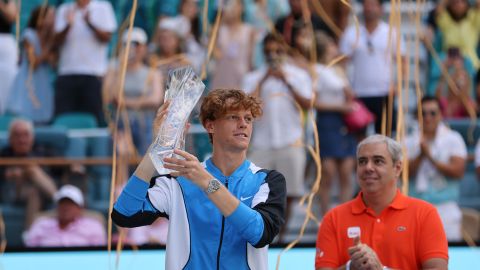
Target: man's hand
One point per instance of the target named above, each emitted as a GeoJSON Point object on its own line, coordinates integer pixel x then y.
{"type": "Point", "coordinates": [70, 16]}
{"type": "Point", "coordinates": [425, 149]}
{"type": "Point", "coordinates": [277, 73]}
{"type": "Point", "coordinates": [363, 257]}
{"type": "Point", "coordinates": [189, 168]}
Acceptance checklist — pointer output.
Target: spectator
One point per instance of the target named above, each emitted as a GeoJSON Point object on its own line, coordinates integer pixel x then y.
{"type": "Point", "coordinates": [381, 228]}
{"type": "Point", "coordinates": [8, 50]}
{"type": "Point", "coordinates": [32, 92]}
{"type": "Point", "coordinates": [217, 208]}
{"type": "Point", "coordinates": [234, 50]}
{"type": "Point", "coordinates": [143, 90]}
{"type": "Point", "coordinates": [277, 137]}
{"type": "Point", "coordinates": [337, 11]}
{"type": "Point", "coordinates": [301, 50]}
{"type": "Point", "coordinates": [69, 227]}
{"type": "Point", "coordinates": [262, 14]}
{"type": "Point", "coordinates": [189, 20]}
{"type": "Point", "coordinates": [436, 164]}
{"type": "Point", "coordinates": [452, 103]}
{"type": "Point", "coordinates": [83, 30]}
{"type": "Point", "coordinates": [27, 184]}
{"type": "Point", "coordinates": [337, 145]}
{"type": "Point", "coordinates": [459, 24]}
{"type": "Point", "coordinates": [296, 17]}
{"type": "Point", "coordinates": [170, 50]}
{"type": "Point", "coordinates": [371, 59]}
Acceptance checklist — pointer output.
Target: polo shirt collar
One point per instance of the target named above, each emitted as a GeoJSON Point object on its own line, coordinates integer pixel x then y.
{"type": "Point", "coordinates": [398, 203]}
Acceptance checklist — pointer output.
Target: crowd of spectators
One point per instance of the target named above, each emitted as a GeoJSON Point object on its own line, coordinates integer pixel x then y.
{"type": "Point", "coordinates": [71, 54]}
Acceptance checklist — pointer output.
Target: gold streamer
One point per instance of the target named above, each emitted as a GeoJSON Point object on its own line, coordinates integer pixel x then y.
{"type": "Point", "coordinates": [17, 23]}
{"type": "Point", "coordinates": [316, 153]}
{"type": "Point", "coordinates": [205, 17]}
{"type": "Point", "coordinates": [325, 17]}
{"type": "Point", "coordinates": [3, 236]}
{"type": "Point", "coordinates": [213, 40]}
{"type": "Point", "coordinates": [115, 135]}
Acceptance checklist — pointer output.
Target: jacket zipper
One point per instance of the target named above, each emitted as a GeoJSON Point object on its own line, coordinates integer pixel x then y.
{"type": "Point", "coordinates": [221, 233]}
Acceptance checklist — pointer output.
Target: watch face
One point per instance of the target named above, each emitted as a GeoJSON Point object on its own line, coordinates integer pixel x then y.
{"type": "Point", "coordinates": [213, 186]}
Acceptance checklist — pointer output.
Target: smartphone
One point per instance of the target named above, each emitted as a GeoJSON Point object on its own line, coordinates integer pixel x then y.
{"type": "Point", "coordinates": [453, 52]}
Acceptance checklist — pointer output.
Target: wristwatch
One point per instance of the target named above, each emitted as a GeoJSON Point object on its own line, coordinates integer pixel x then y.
{"type": "Point", "coordinates": [213, 186]}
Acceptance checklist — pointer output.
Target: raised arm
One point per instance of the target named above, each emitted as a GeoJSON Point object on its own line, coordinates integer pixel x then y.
{"type": "Point", "coordinates": [133, 207]}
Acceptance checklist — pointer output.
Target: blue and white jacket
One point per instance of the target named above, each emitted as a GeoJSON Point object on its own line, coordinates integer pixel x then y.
{"type": "Point", "coordinates": [199, 236]}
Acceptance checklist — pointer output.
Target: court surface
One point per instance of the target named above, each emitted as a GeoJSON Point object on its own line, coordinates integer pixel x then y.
{"type": "Point", "coordinates": [297, 258]}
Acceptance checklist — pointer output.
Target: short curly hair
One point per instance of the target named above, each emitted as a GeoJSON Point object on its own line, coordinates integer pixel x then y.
{"type": "Point", "coordinates": [220, 101]}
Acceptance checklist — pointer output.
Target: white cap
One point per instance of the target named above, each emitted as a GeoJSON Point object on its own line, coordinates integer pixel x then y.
{"type": "Point", "coordinates": [138, 35]}
{"type": "Point", "coordinates": [179, 25]}
{"type": "Point", "coordinates": [70, 192]}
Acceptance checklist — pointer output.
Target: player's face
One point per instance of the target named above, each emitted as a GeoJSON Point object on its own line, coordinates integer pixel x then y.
{"type": "Point", "coordinates": [233, 130]}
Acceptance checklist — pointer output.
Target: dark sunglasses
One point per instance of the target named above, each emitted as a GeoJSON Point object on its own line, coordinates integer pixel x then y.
{"type": "Point", "coordinates": [132, 44]}
{"type": "Point", "coordinates": [429, 113]}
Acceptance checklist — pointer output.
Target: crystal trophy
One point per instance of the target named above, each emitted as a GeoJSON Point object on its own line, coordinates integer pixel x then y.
{"type": "Point", "coordinates": [184, 89]}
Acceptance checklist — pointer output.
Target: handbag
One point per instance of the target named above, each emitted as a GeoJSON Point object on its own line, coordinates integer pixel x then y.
{"type": "Point", "coordinates": [359, 118]}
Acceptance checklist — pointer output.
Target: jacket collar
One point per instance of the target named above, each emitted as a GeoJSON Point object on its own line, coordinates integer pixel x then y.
{"type": "Point", "coordinates": [235, 176]}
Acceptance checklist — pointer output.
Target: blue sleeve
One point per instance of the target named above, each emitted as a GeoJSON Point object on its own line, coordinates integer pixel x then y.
{"type": "Point", "coordinates": [248, 222]}
{"type": "Point", "coordinates": [133, 198]}
{"type": "Point", "coordinates": [133, 208]}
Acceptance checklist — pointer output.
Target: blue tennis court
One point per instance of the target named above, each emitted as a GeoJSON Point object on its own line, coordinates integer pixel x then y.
{"type": "Point", "coordinates": [297, 258]}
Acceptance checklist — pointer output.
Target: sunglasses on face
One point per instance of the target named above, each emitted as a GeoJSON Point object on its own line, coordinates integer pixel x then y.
{"type": "Point", "coordinates": [132, 44]}
{"type": "Point", "coordinates": [429, 113]}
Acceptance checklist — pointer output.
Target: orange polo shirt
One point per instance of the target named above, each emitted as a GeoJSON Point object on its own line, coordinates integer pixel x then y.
{"type": "Point", "coordinates": [406, 234]}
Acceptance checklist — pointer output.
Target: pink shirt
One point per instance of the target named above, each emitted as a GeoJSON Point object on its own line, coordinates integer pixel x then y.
{"type": "Point", "coordinates": [85, 231]}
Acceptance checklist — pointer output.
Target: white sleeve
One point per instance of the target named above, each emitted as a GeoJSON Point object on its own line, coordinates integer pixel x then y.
{"type": "Point", "coordinates": [60, 20]}
{"type": "Point", "coordinates": [347, 41]}
{"type": "Point", "coordinates": [160, 195]}
{"type": "Point", "coordinates": [457, 146]}
{"type": "Point", "coordinates": [103, 16]}
{"type": "Point", "coordinates": [301, 81]}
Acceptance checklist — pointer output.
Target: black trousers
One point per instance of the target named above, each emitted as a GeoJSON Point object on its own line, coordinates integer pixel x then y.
{"type": "Point", "coordinates": [375, 105]}
{"type": "Point", "coordinates": [79, 93]}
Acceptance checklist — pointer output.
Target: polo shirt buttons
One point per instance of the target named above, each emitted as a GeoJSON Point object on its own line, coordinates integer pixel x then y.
{"type": "Point", "coordinates": [378, 220]}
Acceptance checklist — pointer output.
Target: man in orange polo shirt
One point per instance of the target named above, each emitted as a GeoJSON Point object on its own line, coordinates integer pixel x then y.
{"type": "Point", "coordinates": [381, 228]}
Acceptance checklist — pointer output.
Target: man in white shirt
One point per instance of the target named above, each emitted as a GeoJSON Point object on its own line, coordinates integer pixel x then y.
{"type": "Point", "coordinates": [436, 161]}
{"type": "Point", "coordinates": [277, 137]}
{"type": "Point", "coordinates": [83, 29]}
{"type": "Point", "coordinates": [371, 58]}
